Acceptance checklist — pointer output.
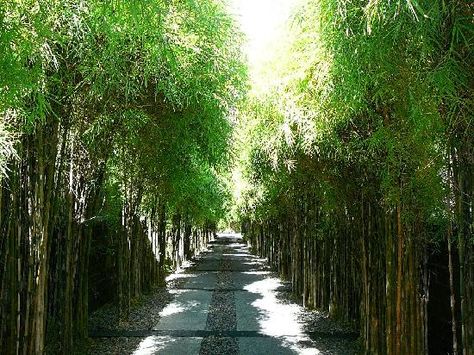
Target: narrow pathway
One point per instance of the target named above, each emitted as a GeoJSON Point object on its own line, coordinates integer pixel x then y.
{"type": "Point", "coordinates": [230, 303]}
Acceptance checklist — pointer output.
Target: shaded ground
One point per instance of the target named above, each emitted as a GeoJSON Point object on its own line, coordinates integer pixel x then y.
{"type": "Point", "coordinates": [227, 302]}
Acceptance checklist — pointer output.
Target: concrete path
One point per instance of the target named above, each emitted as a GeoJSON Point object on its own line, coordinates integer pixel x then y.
{"type": "Point", "coordinates": [228, 303]}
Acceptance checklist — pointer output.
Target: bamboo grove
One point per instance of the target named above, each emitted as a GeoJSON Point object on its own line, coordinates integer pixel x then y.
{"type": "Point", "coordinates": [352, 161]}
{"type": "Point", "coordinates": [356, 169]}
{"type": "Point", "coordinates": [113, 134]}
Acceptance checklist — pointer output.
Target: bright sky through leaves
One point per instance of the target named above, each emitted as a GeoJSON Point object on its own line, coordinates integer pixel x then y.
{"type": "Point", "coordinates": [262, 22]}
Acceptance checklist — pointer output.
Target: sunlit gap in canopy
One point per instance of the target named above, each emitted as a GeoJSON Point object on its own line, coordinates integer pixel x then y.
{"type": "Point", "coordinates": [263, 23]}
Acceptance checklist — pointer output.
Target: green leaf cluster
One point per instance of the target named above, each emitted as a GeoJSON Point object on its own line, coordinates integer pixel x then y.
{"type": "Point", "coordinates": [368, 98]}
{"type": "Point", "coordinates": [143, 88]}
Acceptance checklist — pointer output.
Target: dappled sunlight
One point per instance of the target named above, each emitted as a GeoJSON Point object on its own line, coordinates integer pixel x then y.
{"type": "Point", "coordinates": [264, 286]}
{"type": "Point", "coordinates": [254, 263]}
{"type": "Point", "coordinates": [257, 272]}
{"type": "Point", "coordinates": [174, 308]}
{"type": "Point", "coordinates": [238, 246]}
{"type": "Point", "coordinates": [168, 345]}
{"type": "Point", "coordinates": [237, 255]}
{"type": "Point", "coordinates": [152, 344]}
{"type": "Point", "coordinates": [231, 235]}
{"type": "Point", "coordinates": [177, 276]}
{"type": "Point", "coordinates": [276, 319]}
{"type": "Point", "coordinates": [180, 306]}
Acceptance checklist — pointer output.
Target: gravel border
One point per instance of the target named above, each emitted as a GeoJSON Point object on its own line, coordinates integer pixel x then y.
{"type": "Point", "coordinates": [222, 314]}
{"type": "Point", "coordinates": [144, 314]}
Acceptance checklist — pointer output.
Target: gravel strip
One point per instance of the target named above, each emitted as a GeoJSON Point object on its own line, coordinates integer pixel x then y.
{"type": "Point", "coordinates": [219, 345]}
{"type": "Point", "coordinates": [222, 315]}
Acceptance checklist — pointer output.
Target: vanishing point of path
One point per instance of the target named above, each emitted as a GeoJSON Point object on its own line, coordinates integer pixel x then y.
{"type": "Point", "coordinates": [229, 302]}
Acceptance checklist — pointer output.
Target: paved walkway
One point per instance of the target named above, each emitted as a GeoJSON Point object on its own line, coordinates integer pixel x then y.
{"type": "Point", "coordinates": [229, 303]}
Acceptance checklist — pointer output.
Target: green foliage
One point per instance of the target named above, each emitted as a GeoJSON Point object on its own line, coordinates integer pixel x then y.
{"type": "Point", "coordinates": [365, 93]}
{"type": "Point", "coordinates": [144, 87]}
